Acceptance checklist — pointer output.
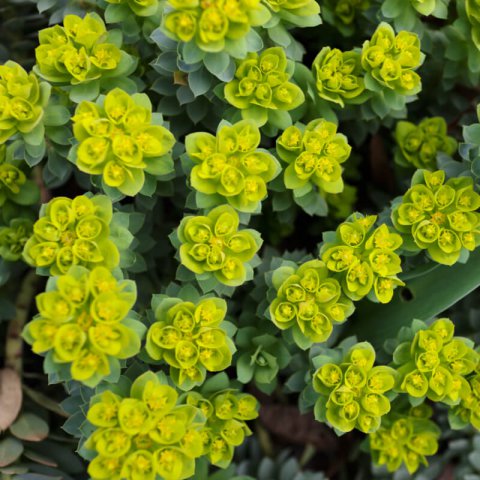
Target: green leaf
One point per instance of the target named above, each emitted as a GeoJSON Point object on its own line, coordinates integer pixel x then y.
{"type": "Point", "coordinates": [30, 427]}
{"type": "Point", "coordinates": [56, 115]}
{"type": "Point", "coordinates": [10, 450]}
{"type": "Point", "coordinates": [424, 297]}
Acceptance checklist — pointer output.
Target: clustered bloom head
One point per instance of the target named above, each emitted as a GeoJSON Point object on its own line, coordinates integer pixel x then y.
{"type": "Point", "coordinates": [339, 75]}
{"type": "Point", "coordinates": [227, 412]}
{"type": "Point", "coordinates": [190, 338]}
{"type": "Point", "coordinates": [213, 244]}
{"type": "Point", "coordinates": [147, 435]}
{"type": "Point", "coordinates": [14, 237]}
{"type": "Point", "coordinates": [79, 52]}
{"type": "Point", "coordinates": [119, 140]}
{"type": "Point", "coordinates": [83, 323]}
{"type": "Point", "coordinates": [314, 154]}
{"type": "Point", "coordinates": [391, 60]}
{"type": "Point", "coordinates": [434, 363]}
{"type": "Point", "coordinates": [213, 24]}
{"type": "Point", "coordinates": [308, 301]}
{"type": "Point", "coordinates": [352, 391]}
{"type": "Point", "coordinates": [262, 84]}
{"type": "Point", "coordinates": [296, 11]}
{"type": "Point", "coordinates": [141, 8]}
{"type": "Point", "coordinates": [364, 258]}
{"type": "Point", "coordinates": [347, 10]}
{"type": "Point", "coordinates": [418, 145]}
{"type": "Point", "coordinates": [72, 232]}
{"type": "Point", "coordinates": [230, 165]}
{"type": "Point", "coordinates": [12, 179]}
{"type": "Point", "coordinates": [405, 439]}
{"type": "Point", "coordinates": [440, 217]}
{"type": "Point", "coordinates": [22, 100]}
{"type": "Point", "coordinates": [468, 410]}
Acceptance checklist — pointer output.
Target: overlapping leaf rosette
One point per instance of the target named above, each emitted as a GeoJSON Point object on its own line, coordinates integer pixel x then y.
{"type": "Point", "coordinates": [23, 99]}
{"type": "Point", "coordinates": [306, 301]}
{"type": "Point", "coordinates": [229, 167]}
{"type": "Point", "coordinates": [439, 216]}
{"type": "Point", "coordinates": [408, 15]}
{"type": "Point", "coordinates": [143, 431]}
{"type": "Point", "coordinates": [314, 154]}
{"type": "Point", "coordinates": [354, 394]}
{"type": "Point", "coordinates": [214, 249]}
{"type": "Point", "coordinates": [433, 363]}
{"type": "Point", "coordinates": [206, 28]}
{"type": "Point", "coordinates": [227, 410]}
{"type": "Point", "coordinates": [339, 76]}
{"type": "Point", "coordinates": [85, 326]}
{"type": "Point", "coordinates": [78, 232]}
{"type": "Point", "coordinates": [405, 437]}
{"type": "Point", "coordinates": [121, 141]}
{"type": "Point", "coordinates": [467, 412]}
{"type": "Point", "coordinates": [418, 145]}
{"type": "Point", "coordinates": [262, 88]}
{"type": "Point", "coordinates": [83, 55]}
{"type": "Point", "coordinates": [364, 258]}
{"type": "Point", "coordinates": [192, 337]}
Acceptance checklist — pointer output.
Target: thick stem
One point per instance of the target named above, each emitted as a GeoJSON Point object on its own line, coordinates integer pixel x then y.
{"type": "Point", "coordinates": [14, 342]}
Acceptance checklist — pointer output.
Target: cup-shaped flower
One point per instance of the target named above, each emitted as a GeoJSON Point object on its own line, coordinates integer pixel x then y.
{"type": "Point", "coordinates": [85, 326]}
{"type": "Point", "coordinates": [230, 166]}
{"type": "Point", "coordinates": [81, 51]}
{"type": "Point", "coordinates": [141, 8]}
{"type": "Point", "coordinates": [212, 26]}
{"type": "Point", "coordinates": [227, 412]}
{"type": "Point", "coordinates": [309, 302]}
{"type": "Point", "coordinates": [467, 412]}
{"type": "Point", "coordinates": [418, 145]}
{"type": "Point", "coordinates": [434, 363]}
{"type": "Point", "coordinates": [119, 139]}
{"type": "Point", "coordinates": [14, 237]}
{"type": "Point", "coordinates": [339, 76]}
{"type": "Point", "coordinates": [405, 439]}
{"type": "Point", "coordinates": [262, 85]}
{"type": "Point", "coordinates": [353, 392]}
{"type": "Point", "coordinates": [213, 245]}
{"type": "Point", "coordinates": [364, 259]}
{"type": "Point", "coordinates": [301, 13]}
{"type": "Point", "coordinates": [391, 60]}
{"type": "Point", "coordinates": [314, 154]}
{"type": "Point", "coordinates": [22, 101]}
{"type": "Point", "coordinates": [439, 216]}
{"type": "Point", "coordinates": [190, 338]}
{"type": "Point", "coordinates": [152, 433]}
{"type": "Point", "coordinates": [72, 232]}
{"type": "Point", "coordinates": [344, 12]}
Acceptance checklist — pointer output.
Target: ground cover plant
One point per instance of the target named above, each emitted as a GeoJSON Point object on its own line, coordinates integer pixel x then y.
{"type": "Point", "coordinates": [239, 239]}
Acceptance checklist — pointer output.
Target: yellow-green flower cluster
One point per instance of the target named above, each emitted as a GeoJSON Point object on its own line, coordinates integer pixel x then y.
{"type": "Point", "coordinates": [314, 154]}
{"type": "Point", "coordinates": [72, 232]}
{"type": "Point", "coordinates": [145, 436]}
{"type": "Point", "coordinates": [440, 217]}
{"type": "Point", "coordinates": [22, 100]}
{"type": "Point", "coordinates": [339, 76]}
{"type": "Point", "coordinates": [213, 244]}
{"type": "Point", "coordinates": [472, 8]}
{"type": "Point", "coordinates": [309, 302]}
{"type": "Point", "coordinates": [230, 165]}
{"type": "Point", "coordinates": [14, 237]}
{"type": "Point", "coordinates": [262, 85]}
{"type": "Point", "coordinates": [391, 60]}
{"type": "Point", "coordinates": [468, 411]}
{"type": "Point", "coordinates": [405, 439]}
{"type": "Point", "coordinates": [79, 52]}
{"type": "Point", "coordinates": [142, 8]}
{"type": "Point", "coordinates": [435, 363]}
{"type": "Point", "coordinates": [227, 412]}
{"type": "Point", "coordinates": [84, 323]}
{"type": "Point", "coordinates": [418, 145]}
{"type": "Point", "coordinates": [347, 10]}
{"type": "Point", "coordinates": [353, 391]}
{"type": "Point", "coordinates": [212, 24]}
{"type": "Point", "coordinates": [12, 179]}
{"type": "Point", "coordinates": [364, 258]}
{"type": "Point", "coordinates": [302, 13]}
{"type": "Point", "coordinates": [190, 338]}
{"type": "Point", "coordinates": [119, 140]}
